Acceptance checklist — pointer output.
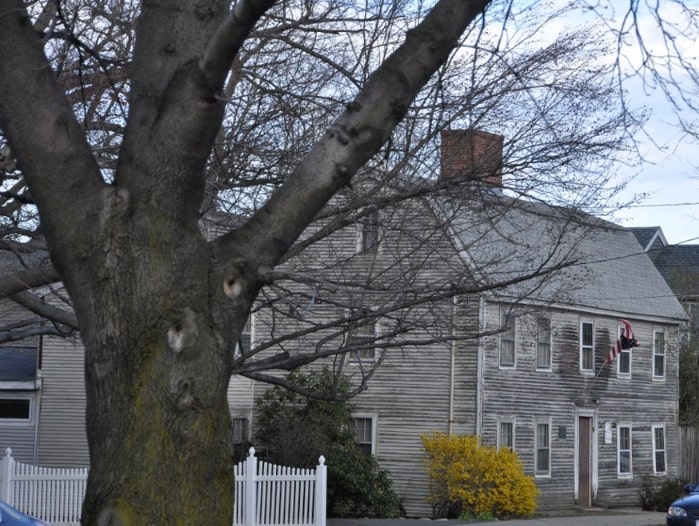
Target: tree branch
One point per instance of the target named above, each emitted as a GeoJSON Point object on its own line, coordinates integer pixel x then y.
{"type": "Point", "coordinates": [356, 135]}
{"type": "Point", "coordinates": [45, 138]}
{"type": "Point", "coordinates": [38, 306]}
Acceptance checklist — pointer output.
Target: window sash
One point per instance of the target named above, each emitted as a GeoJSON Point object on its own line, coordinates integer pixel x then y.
{"type": "Point", "coordinates": [587, 355]}
{"type": "Point", "coordinates": [543, 343]}
{"type": "Point", "coordinates": [240, 430]}
{"type": "Point", "coordinates": [370, 232]}
{"type": "Point", "coordinates": [506, 434]}
{"type": "Point", "coordinates": [543, 449]}
{"type": "Point", "coordinates": [624, 450]}
{"type": "Point", "coordinates": [658, 354]}
{"type": "Point", "coordinates": [362, 334]}
{"type": "Point", "coordinates": [624, 358]}
{"type": "Point", "coordinates": [364, 433]}
{"type": "Point", "coordinates": [507, 340]}
{"type": "Point", "coordinates": [659, 466]}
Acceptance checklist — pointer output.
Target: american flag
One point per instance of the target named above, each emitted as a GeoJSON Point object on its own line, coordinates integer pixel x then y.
{"type": "Point", "coordinates": [627, 340]}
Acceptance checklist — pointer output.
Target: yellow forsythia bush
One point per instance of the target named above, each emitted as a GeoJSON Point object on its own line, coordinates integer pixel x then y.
{"type": "Point", "coordinates": [477, 480]}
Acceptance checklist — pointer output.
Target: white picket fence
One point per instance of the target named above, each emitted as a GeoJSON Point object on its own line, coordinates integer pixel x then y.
{"type": "Point", "coordinates": [52, 494]}
{"type": "Point", "coordinates": [272, 495]}
{"type": "Point", "coordinates": [266, 494]}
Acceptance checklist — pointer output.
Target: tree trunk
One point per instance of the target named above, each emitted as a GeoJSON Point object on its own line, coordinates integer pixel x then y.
{"type": "Point", "coordinates": [156, 364]}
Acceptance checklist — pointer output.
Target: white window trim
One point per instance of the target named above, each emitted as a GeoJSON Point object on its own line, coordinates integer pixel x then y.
{"type": "Point", "coordinates": [619, 373]}
{"type": "Point", "coordinates": [377, 334]}
{"type": "Point", "coordinates": [20, 422]}
{"type": "Point", "coordinates": [503, 313]}
{"type": "Point", "coordinates": [588, 372]}
{"type": "Point", "coordinates": [374, 418]}
{"type": "Point", "coordinates": [536, 357]}
{"type": "Point", "coordinates": [538, 421]}
{"type": "Point", "coordinates": [659, 377]}
{"type": "Point", "coordinates": [506, 420]}
{"type": "Point", "coordinates": [621, 475]}
{"type": "Point", "coordinates": [664, 450]}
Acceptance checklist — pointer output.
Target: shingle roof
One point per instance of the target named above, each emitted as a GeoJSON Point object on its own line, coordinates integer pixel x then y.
{"type": "Point", "coordinates": [644, 234]}
{"type": "Point", "coordinates": [18, 363]}
{"type": "Point", "coordinates": [679, 265]}
{"type": "Point", "coordinates": [518, 238]}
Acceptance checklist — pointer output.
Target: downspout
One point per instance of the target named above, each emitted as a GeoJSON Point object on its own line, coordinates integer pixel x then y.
{"type": "Point", "coordinates": [452, 366]}
{"type": "Point", "coordinates": [38, 385]}
{"type": "Point", "coordinates": [480, 371]}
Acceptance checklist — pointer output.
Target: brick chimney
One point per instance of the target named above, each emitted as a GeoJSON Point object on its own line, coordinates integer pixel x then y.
{"type": "Point", "coordinates": [472, 155]}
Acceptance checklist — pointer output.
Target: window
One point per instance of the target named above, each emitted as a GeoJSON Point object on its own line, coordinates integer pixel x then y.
{"type": "Point", "coordinates": [240, 438]}
{"type": "Point", "coordinates": [624, 358]}
{"type": "Point", "coordinates": [507, 340]}
{"type": "Point", "coordinates": [240, 430]}
{"type": "Point", "coordinates": [659, 449]}
{"type": "Point", "coordinates": [542, 455]}
{"type": "Point", "coordinates": [506, 433]}
{"type": "Point", "coordinates": [658, 354]}
{"type": "Point", "coordinates": [364, 433]}
{"type": "Point", "coordinates": [362, 336]}
{"type": "Point", "coordinates": [624, 450]}
{"type": "Point", "coordinates": [15, 409]}
{"type": "Point", "coordinates": [245, 341]}
{"type": "Point", "coordinates": [543, 343]}
{"type": "Point", "coordinates": [369, 232]}
{"type": "Point", "coordinates": [587, 349]}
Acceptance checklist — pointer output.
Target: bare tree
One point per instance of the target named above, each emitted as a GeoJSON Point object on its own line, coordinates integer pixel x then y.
{"type": "Point", "coordinates": [126, 123]}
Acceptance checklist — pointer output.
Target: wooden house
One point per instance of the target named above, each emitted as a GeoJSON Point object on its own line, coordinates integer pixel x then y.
{"type": "Point", "coordinates": [511, 343]}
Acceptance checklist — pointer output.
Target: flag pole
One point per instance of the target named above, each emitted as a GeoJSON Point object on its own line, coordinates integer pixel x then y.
{"type": "Point", "coordinates": [604, 364]}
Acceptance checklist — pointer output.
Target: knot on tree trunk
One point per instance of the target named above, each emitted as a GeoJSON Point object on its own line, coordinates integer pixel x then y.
{"type": "Point", "coordinates": [183, 333]}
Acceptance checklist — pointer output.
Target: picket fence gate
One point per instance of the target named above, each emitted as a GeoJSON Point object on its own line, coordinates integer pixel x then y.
{"type": "Point", "coordinates": [272, 495]}
{"type": "Point", "coordinates": [266, 494]}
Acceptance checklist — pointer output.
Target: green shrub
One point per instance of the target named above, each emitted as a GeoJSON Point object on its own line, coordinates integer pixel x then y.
{"type": "Point", "coordinates": [295, 430]}
{"type": "Point", "coordinates": [655, 495]}
{"type": "Point", "coordinates": [472, 480]}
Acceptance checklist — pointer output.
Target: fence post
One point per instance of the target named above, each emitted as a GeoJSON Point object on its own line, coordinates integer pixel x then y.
{"type": "Point", "coordinates": [5, 476]}
{"type": "Point", "coordinates": [321, 492]}
{"type": "Point", "coordinates": [250, 488]}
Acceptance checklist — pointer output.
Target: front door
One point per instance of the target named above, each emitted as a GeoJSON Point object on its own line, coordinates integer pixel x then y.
{"type": "Point", "coordinates": [585, 461]}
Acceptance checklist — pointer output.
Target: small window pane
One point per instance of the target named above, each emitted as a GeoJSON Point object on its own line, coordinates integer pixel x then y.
{"type": "Point", "coordinates": [14, 409]}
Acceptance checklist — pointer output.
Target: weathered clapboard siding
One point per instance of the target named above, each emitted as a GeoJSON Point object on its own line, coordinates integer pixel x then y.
{"type": "Point", "coordinates": [62, 435]}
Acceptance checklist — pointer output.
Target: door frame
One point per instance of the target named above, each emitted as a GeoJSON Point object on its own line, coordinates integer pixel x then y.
{"type": "Point", "coordinates": [594, 472]}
